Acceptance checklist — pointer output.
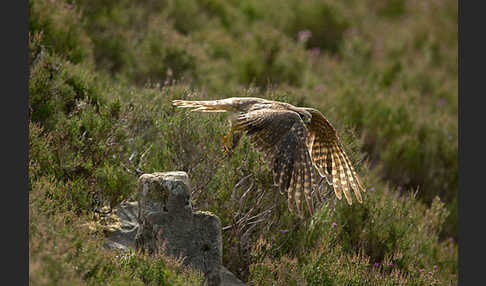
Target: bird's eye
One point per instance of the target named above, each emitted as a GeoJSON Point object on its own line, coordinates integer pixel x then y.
{"type": "Point", "coordinates": [304, 118]}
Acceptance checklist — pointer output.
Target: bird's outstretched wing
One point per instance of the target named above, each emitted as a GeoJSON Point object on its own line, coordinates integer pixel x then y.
{"type": "Point", "coordinates": [330, 159]}
{"type": "Point", "coordinates": [219, 105]}
{"type": "Point", "coordinates": [282, 136]}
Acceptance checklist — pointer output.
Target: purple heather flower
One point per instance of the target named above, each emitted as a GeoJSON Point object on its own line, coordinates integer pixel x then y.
{"type": "Point", "coordinates": [377, 264]}
{"type": "Point", "coordinates": [421, 270]}
{"type": "Point", "coordinates": [315, 52]}
{"type": "Point", "coordinates": [319, 87]}
{"type": "Point", "coordinates": [284, 231]}
{"type": "Point", "coordinates": [430, 273]}
{"type": "Point", "coordinates": [435, 267]}
{"type": "Point", "coordinates": [334, 224]}
{"type": "Point", "coordinates": [391, 265]}
{"type": "Point", "coordinates": [441, 102]}
{"type": "Point", "coordinates": [304, 35]}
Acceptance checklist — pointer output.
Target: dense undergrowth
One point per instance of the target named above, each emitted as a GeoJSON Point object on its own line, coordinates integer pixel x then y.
{"type": "Point", "coordinates": [103, 73]}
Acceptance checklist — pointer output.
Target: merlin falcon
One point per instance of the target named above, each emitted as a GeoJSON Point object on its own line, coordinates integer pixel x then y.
{"type": "Point", "coordinates": [295, 141]}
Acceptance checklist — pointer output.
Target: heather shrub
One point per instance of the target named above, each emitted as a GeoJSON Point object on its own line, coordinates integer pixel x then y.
{"type": "Point", "coordinates": [400, 94]}
{"type": "Point", "coordinates": [271, 58]}
{"type": "Point", "coordinates": [387, 240]}
{"type": "Point", "coordinates": [56, 86]}
{"type": "Point", "coordinates": [392, 8]}
{"type": "Point", "coordinates": [384, 73]}
{"type": "Point", "coordinates": [323, 20]}
{"type": "Point", "coordinates": [41, 157]}
{"type": "Point", "coordinates": [61, 28]}
{"type": "Point", "coordinates": [64, 250]}
{"type": "Point", "coordinates": [163, 54]}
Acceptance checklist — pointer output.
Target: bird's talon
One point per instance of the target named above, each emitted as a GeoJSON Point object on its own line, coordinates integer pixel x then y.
{"type": "Point", "coordinates": [225, 141]}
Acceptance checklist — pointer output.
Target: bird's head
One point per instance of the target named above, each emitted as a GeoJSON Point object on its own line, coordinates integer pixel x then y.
{"type": "Point", "coordinates": [305, 116]}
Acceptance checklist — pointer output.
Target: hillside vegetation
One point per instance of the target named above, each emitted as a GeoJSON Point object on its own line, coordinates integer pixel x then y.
{"type": "Point", "coordinates": [385, 73]}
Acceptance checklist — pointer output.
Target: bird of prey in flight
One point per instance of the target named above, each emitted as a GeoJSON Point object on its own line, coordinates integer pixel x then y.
{"type": "Point", "coordinates": [295, 141]}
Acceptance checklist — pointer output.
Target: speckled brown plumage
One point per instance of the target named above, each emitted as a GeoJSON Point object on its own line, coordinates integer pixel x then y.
{"type": "Point", "coordinates": [296, 141]}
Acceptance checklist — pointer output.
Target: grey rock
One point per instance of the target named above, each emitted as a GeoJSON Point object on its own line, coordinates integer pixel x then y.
{"type": "Point", "coordinates": [228, 278]}
{"type": "Point", "coordinates": [116, 246]}
{"type": "Point", "coordinates": [162, 219]}
{"type": "Point", "coordinates": [128, 215]}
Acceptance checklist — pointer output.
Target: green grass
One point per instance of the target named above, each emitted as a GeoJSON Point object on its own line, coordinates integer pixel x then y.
{"type": "Point", "coordinates": [103, 74]}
